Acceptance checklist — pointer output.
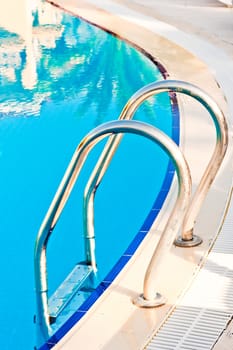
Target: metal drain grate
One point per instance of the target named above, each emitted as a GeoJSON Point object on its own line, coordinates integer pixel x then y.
{"type": "Point", "coordinates": [206, 308]}
{"type": "Point", "coordinates": [190, 328]}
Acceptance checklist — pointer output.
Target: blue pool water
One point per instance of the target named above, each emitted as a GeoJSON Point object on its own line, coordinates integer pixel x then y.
{"type": "Point", "coordinates": [58, 84]}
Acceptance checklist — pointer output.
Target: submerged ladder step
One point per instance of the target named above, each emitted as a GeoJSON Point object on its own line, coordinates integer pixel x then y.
{"type": "Point", "coordinates": [77, 280]}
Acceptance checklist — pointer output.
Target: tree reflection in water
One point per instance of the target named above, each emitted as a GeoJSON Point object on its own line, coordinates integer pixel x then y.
{"type": "Point", "coordinates": [68, 59]}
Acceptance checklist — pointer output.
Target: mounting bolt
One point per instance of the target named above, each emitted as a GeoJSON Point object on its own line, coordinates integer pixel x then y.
{"type": "Point", "coordinates": [158, 300]}
{"type": "Point", "coordinates": [193, 242]}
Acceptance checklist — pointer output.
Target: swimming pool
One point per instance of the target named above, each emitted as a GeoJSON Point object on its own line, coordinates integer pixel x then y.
{"type": "Point", "coordinates": [56, 87]}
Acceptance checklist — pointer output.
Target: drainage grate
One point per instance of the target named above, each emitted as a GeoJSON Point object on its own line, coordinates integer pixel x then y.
{"type": "Point", "coordinates": [206, 308]}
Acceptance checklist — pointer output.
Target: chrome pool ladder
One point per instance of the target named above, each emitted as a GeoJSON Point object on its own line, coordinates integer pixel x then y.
{"type": "Point", "coordinates": [48, 310]}
{"type": "Point", "coordinates": [81, 278]}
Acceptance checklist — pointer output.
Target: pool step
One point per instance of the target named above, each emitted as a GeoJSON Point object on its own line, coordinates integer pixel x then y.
{"type": "Point", "coordinates": [72, 292]}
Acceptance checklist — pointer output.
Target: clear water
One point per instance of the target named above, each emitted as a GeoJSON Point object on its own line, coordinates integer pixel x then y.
{"type": "Point", "coordinates": [58, 82]}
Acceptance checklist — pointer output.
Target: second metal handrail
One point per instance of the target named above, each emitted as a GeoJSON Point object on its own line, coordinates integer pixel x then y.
{"type": "Point", "coordinates": [65, 188]}
{"type": "Point", "coordinates": [187, 239]}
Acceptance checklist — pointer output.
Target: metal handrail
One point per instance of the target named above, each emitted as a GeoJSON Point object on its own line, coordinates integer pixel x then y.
{"type": "Point", "coordinates": [65, 189]}
{"type": "Point", "coordinates": [187, 238]}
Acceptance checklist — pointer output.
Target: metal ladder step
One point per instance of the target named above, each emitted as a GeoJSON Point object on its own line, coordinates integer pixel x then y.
{"type": "Point", "coordinates": [78, 280]}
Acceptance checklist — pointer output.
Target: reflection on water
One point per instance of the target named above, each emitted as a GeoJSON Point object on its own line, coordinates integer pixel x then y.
{"type": "Point", "coordinates": [46, 54]}
{"type": "Point", "coordinates": [59, 78]}
{"type": "Point", "coordinates": [27, 29]}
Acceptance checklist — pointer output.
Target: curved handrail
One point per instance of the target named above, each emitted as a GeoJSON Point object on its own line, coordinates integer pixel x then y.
{"type": "Point", "coordinates": [187, 238]}
{"type": "Point", "coordinates": [65, 189]}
